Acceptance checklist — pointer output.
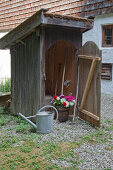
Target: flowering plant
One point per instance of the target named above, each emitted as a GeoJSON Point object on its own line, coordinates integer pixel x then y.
{"type": "Point", "coordinates": [63, 101]}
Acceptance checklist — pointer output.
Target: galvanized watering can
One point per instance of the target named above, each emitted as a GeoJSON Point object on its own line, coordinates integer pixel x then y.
{"type": "Point", "coordinates": [44, 120]}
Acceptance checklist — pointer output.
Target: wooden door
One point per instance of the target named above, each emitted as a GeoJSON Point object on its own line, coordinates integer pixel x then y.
{"type": "Point", "coordinates": [89, 83]}
{"type": "Point", "coordinates": [61, 54]}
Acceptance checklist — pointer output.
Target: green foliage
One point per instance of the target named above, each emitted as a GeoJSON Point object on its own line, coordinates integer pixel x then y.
{"type": "Point", "coordinates": [5, 87]}
{"type": "Point", "coordinates": [7, 142]}
{"type": "Point", "coordinates": [21, 128]}
{"type": "Point", "coordinates": [99, 136]}
{"type": "Point", "coordinates": [8, 85]}
{"type": "Point", "coordinates": [3, 118]}
{"type": "Point", "coordinates": [1, 110]}
{"type": "Point", "coordinates": [2, 87]}
{"type": "Point", "coordinates": [49, 148]}
{"type": "Point", "coordinates": [34, 164]}
{"type": "Point", "coordinates": [4, 121]}
{"type": "Point", "coordinates": [57, 103]}
{"type": "Point", "coordinates": [26, 149]}
{"type": "Point", "coordinates": [5, 110]}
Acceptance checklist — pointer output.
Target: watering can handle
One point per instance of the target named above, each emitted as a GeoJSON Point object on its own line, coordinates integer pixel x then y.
{"type": "Point", "coordinates": [49, 106]}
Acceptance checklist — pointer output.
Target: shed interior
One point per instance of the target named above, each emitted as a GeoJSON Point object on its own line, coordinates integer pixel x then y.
{"type": "Point", "coordinates": [60, 57]}
{"type": "Point", "coordinates": [60, 61]}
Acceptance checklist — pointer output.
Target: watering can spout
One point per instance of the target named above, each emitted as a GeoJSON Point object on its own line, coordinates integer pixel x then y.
{"type": "Point", "coordinates": [30, 122]}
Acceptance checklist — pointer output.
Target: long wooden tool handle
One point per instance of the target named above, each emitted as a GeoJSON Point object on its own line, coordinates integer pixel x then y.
{"type": "Point", "coordinates": [76, 95]}
{"type": "Point", "coordinates": [62, 89]}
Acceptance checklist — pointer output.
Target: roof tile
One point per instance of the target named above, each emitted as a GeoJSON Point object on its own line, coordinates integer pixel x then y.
{"type": "Point", "coordinates": [14, 12]}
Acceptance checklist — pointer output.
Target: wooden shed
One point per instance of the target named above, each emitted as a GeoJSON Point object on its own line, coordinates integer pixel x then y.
{"type": "Point", "coordinates": [40, 47]}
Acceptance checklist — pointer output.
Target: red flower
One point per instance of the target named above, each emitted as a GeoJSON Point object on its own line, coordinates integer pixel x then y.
{"type": "Point", "coordinates": [64, 104]}
{"type": "Point", "coordinates": [55, 97]}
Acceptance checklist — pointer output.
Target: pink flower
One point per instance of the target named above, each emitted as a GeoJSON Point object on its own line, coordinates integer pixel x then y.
{"type": "Point", "coordinates": [63, 101]}
{"type": "Point", "coordinates": [69, 98]}
{"type": "Point", "coordinates": [62, 96]}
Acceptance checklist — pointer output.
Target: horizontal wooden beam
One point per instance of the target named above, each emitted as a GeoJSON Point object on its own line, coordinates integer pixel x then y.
{"type": "Point", "coordinates": [5, 98]}
{"type": "Point", "coordinates": [89, 114]}
{"type": "Point", "coordinates": [65, 22]}
{"type": "Point", "coordinates": [89, 57]}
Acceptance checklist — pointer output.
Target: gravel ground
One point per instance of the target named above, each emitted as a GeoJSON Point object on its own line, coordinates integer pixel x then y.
{"type": "Point", "coordinates": [92, 156]}
{"type": "Point", "coordinates": [99, 156]}
{"type": "Point", "coordinates": [106, 106]}
{"type": "Point", "coordinates": [68, 132]}
{"type": "Point", "coordinates": [95, 156]}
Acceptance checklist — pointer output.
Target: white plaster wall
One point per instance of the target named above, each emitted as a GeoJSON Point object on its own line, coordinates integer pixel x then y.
{"type": "Point", "coordinates": [95, 35]}
{"type": "Point", "coordinates": [5, 67]}
{"type": "Point", "coordinates": [107, 85]}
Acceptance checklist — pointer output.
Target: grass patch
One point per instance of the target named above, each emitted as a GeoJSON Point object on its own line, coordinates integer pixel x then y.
{"type": "Point", "coordinates": [21, 128]}
{"type": "Point", "coordinates": [5, 118]}
{"type": "Point", "coordinates": [4, 121]}
{"type": "Point", "coordinates": [25, 150]}
{"type": "Point", "coordinates": [29, 155]}
{"type": "Point", "coordinates": [99, 136]}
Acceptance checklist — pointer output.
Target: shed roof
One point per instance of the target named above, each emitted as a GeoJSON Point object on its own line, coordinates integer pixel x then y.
{"type": "Point", "coordinates": [14, 12]}
{"type": "Point", "coordinates": [43, 18]}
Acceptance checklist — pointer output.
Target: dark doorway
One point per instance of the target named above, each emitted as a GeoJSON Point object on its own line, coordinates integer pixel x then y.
{"type": "Point", "coordinates": [60, 61]}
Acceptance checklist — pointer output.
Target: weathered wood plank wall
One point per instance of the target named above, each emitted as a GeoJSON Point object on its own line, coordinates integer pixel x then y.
{"type": "Point", "coordinates": [25, 72]}
{"type": "Point", "coordinates": [55, 34]}
{"type": "Point", "coordinates": [93, 97]}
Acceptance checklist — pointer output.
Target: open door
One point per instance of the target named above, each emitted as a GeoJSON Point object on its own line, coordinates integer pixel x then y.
{"type": "Point", "coordinates": [89, 83]}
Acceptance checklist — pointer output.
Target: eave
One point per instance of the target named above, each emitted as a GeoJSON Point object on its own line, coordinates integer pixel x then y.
{"type": "Point", "coordinates": [43, 18]}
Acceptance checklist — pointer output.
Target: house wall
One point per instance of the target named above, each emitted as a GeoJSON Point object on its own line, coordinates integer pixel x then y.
{"type": "Point", "coordinates": [5, 68]}
{"type": "Point", "coordinates": [95, 35]}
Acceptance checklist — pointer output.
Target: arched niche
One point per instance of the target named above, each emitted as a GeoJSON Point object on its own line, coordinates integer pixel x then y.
{"type": "Point", "coordinates": [60, 59]}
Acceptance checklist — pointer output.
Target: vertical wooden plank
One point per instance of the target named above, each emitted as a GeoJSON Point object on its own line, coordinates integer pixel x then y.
{"type": "Point", "coordinates": [36, 67]}
{"type": "Point", "coordinates": [16, 80]}
{"type": "Point", "coordinates": [13, 52]}
{"type": "Point", "coordinates": [42, 66]}
{"type": "Point", "coordinates": [91, 103]}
